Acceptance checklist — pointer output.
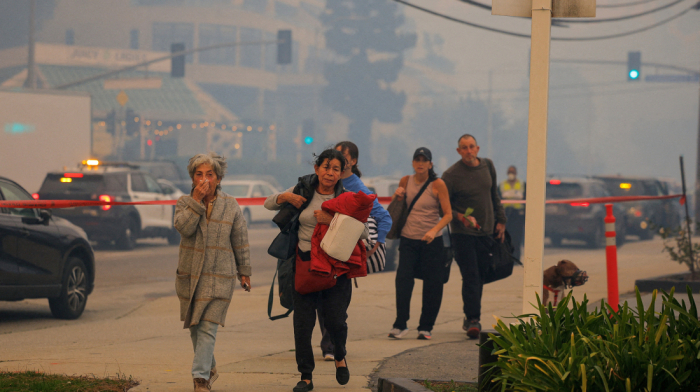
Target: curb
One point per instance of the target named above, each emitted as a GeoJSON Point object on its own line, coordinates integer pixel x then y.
{"type": "Point", "coordinates": [408, 385]}
{"type": "Point", "coordinates": [662, 283]}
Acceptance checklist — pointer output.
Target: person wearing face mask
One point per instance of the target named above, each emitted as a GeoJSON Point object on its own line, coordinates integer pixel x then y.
{"type": "Point", "coordinates": [514, 189]}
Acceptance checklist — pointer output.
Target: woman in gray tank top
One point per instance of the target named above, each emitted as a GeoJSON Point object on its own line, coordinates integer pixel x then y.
{"type": "Point", "coordinates": [421, 251]}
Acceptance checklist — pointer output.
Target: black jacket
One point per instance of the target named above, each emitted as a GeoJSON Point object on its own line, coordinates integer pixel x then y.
{"type": "Point", "coordinates": [305, 187]}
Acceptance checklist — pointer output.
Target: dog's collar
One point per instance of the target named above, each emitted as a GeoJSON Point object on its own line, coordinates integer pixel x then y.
{"type": "Point", "coordinates": [556, 294]}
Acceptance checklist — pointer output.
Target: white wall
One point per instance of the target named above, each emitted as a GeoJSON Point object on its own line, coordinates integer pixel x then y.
{"type": "Point", "coordinates": [54, 132]}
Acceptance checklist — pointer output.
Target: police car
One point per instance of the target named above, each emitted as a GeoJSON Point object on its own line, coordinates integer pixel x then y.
{"type": "Point", "coordinates": [113, 181]}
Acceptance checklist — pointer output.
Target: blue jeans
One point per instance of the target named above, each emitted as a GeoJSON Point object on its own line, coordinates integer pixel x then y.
{"type": "Point", "coordinates": [203, 338]}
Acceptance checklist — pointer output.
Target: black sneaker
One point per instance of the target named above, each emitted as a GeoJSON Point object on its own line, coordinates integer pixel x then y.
{"type": "Point", "coordinates": [473, 328]}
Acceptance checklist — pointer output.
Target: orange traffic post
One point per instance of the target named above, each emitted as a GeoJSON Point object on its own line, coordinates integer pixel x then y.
{"type": "Point", "coordinates": [611, 258]}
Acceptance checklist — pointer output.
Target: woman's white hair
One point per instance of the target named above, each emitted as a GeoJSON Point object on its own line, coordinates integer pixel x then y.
{"type": "Point", "coordinates": [217, 162]}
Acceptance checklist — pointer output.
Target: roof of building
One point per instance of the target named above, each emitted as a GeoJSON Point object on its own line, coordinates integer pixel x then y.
{"type": "Point", "coordinates": [176, 99]}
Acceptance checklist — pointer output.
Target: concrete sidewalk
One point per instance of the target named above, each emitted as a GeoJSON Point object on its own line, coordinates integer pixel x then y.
{"type": "Point", "coordinates": [254, 353]}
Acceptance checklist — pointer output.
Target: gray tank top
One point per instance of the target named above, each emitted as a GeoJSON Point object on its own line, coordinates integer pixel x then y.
{"type": "Point", "coordinates": [425, 213]}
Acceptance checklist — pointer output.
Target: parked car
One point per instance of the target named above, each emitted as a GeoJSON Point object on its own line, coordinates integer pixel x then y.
{"type": "Point", "coordinates": [43, 256]}
{"type": "Point", "coordinates": [580, 220]}
{"type": "Point", "coordinates": [170, 189]}
{"type": "Point", "coordinates": [164, 170]}
{"type": "Point", "coordinates": [251, 188]}
{"type": "Point", "coordinates": [385, 186]}
{"type": "Point", "coordinates": [642, 216]}
{"type": "Point", "coordinates": [117, 182]}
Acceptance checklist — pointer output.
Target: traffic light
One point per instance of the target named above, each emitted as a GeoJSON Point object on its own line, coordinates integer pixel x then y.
{"type": "Point", "coordinates": [284, 46]}
{"type": "Point", "coordinates": [307, 131]}
{"type": "Point", "coordinates": [109, 122]}
{"type": "Point", "coordinates": [634, 65]}
{"type": "Point", "coordinates": [177, 63]}
{"type": "Point", "coordinates": [133, 127]}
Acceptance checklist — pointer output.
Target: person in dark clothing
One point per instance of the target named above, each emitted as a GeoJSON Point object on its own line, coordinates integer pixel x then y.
{"type": "Point", "coordinates": [472, 186]}
{"type": "Point", "coordinates": [305, 199]}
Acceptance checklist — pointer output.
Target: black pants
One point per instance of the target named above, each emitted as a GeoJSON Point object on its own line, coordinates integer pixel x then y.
{"type": "Point", "coordinates": [469, 253]}
{"type": "Point", "coordinates": [326, 344]}
{"type": "Point", "coordinates": [334, 304]}
{"type": "Point", "coordinates": [418, 258]}
{"type": "Point", "coordinates": [516, 228]}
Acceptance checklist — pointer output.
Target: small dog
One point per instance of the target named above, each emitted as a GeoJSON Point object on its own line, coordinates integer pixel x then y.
{"type": "Point", "coordinates": [557, 278]}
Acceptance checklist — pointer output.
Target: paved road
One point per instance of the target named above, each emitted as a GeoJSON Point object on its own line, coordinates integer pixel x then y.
{"type": "Point", "coordinates": [128, 280]}
{"type": "Point", "coordinates": [131, 325]}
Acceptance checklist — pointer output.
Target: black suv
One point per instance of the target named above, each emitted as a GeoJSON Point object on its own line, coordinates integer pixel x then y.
{"type": "Point", "coordinates": [43, 256]}
{"type": "Point", "coordinates": [115, 182]}
{"type": "Point", "coordinates": [580, 220]}
{"type": "Point", "coordinates": [639, 214]}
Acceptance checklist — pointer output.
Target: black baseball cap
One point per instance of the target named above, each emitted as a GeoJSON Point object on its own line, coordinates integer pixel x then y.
{"type": "Point", "coordinates": [422, 151]}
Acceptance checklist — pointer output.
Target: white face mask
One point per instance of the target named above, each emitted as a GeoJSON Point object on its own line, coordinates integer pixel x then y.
{"type": "Point", "coordinates": [511, 176]}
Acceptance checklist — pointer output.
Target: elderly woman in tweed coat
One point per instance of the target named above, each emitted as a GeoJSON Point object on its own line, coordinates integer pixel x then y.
{"type": "Point", "coordinates": [213, 250]}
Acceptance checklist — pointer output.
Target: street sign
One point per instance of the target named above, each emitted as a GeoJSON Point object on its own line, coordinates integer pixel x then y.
{"type": "Point", "coordinates": [672, 78]}
{"type": "Point", "coordinates": [122, 98]}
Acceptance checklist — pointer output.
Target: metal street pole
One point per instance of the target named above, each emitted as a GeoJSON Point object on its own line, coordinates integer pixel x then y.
{"type": "Point", "coordinates": [489, 121]}
{"type": "Point", "coordinates": [537, 151]}
{"type": "Point", "coordinates": [31, 72]}
{"type": "Point", "coordinates": [696, 205]}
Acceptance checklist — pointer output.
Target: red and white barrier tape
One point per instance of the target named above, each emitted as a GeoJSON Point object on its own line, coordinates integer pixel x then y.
{"type": "Point", "coordinates": [258, 201]}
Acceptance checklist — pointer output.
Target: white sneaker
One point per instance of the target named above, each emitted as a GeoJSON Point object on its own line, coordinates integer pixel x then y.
{"type": "Point", "coordinates": [424, 335]}
{"type": "Point", "coordinates": [328, 357]}
{"type": "Point", "coordinates": [398, 333]}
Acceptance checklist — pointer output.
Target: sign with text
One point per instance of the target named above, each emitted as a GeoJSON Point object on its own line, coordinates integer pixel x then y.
{"type": "Point", "coordinates": [99, 57]}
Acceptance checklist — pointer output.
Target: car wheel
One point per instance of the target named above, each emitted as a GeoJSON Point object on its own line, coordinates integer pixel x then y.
{"type": "Point", "coordinates": [127, 240]}
{"type": "Point", "coordinates": [246, 216]}
{"type": "Point", "coordinates": [597, 239]}
{"type": "Point", "coordinates": [555, 240]}
{"type": "Point", "coordinates": [71, 303]}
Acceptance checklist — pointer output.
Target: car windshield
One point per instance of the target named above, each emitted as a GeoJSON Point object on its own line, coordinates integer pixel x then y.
{"type": "Point", "coordinates": [236, 190]}
{"type": "Point", "coordinates": [624, 187]}
{"type": "Point", "coordinates": [71, 182]}
{"type": "Point", "coordinates": [564, 190]}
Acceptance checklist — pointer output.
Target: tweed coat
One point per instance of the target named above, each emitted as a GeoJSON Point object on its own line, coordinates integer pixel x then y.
{"type": "Point", "coordinates": [211, 255]}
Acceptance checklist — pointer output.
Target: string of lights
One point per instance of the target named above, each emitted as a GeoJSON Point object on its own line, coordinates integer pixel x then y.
{"type": "Point", "coordinates": [514, 34]}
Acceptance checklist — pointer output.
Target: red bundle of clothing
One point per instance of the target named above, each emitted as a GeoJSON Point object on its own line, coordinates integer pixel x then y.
{"type": "Point", "coordinates": [322, 271]}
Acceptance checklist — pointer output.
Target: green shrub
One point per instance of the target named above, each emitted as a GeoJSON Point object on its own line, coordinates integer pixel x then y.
{"type": "Point", "coordinates": [634, 349]}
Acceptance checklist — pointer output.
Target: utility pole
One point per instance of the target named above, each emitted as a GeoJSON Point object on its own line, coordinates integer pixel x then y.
{"type": "Point", "coordinates": [541, 12]}
{"type": "Point", "coordinates": [31, 72]}
{"type": "Point", "coordinates": [489, 121]}
{"type": "Point", "coordinates": [697, 169]}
